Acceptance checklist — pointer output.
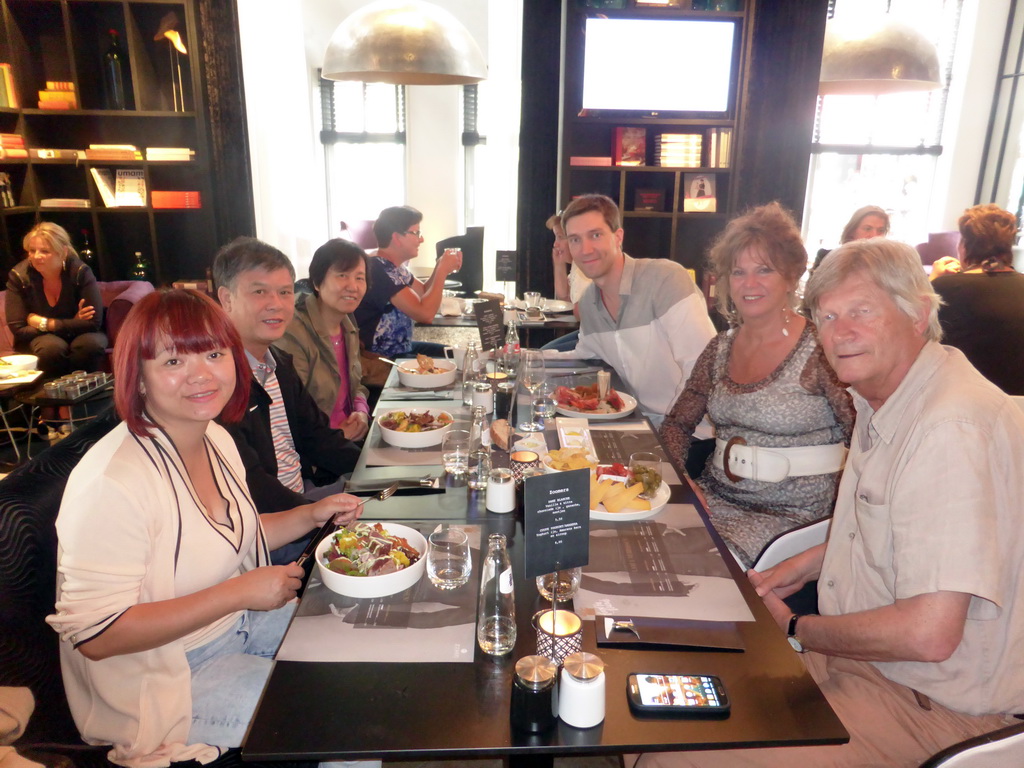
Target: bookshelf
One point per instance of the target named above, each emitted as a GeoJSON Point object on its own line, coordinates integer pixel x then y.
{"type": "Point", "coordinates": [668, 230]}
{"type": "Point", "coordinates": [49, 42]}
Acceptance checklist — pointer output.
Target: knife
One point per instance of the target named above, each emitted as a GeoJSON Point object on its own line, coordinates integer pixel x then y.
{"type": "Point", "coordinates": [573, 373]}
{"type": "Point", "coordinates": [369, 486]}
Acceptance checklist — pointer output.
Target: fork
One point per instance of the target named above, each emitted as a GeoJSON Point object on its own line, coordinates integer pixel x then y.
{"type": "Point", "coordinates": [329, 526]}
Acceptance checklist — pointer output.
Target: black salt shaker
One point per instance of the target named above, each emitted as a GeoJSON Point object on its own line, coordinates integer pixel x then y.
{"type": "Point", "coordinates": [533, 694]}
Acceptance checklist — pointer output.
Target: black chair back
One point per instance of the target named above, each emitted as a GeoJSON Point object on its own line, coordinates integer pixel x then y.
{"type": "Point", "coordinates": [472, 244]}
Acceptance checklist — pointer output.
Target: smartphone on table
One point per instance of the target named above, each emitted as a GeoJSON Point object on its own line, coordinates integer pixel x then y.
{"type": "Point", "coordinates": [681, 695]}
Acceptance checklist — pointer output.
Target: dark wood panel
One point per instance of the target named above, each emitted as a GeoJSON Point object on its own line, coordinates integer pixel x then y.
{"type": "Point", "coordinates": [779, 103]}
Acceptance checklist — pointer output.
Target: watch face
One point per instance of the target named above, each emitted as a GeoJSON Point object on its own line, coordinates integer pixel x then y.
{"type": "Point", "coordinates": [796, 644]}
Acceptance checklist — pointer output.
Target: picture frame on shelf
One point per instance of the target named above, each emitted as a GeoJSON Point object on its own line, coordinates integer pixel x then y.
{"type": "Point", "coordinates": [699, 193]}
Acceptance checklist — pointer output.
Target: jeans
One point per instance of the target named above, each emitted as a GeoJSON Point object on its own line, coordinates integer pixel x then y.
{"type": "Point", "coordinates": [564, 343]}
{"type": "Point", "coordinates": [228, 675]}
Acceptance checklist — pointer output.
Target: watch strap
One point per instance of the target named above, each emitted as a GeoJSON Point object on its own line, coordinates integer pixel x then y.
{"type": "Point", "coordinates": [791, 630]}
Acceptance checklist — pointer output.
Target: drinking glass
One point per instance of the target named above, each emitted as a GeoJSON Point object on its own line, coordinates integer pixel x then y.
{"type": "Point", "coordinates": [531, 375]}
{"type": "Point", "coordinates": [533, 303]}
{"type": "Point", "coordinates": [544, 408]}
{"type": "Point", "coordinates": [448, 559]}
{"type": "Point", "coordinates": [455, 451]}
{"type": "Point", "coordinates": [645, 467]}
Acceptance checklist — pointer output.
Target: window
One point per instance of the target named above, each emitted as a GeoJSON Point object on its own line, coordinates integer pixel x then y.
{"type": "Point", "coordinates": [471, 140]}
{"type": "Point", "coordinates": [363, 135]}
{"type": "Point", "coordinates": [880, 150]}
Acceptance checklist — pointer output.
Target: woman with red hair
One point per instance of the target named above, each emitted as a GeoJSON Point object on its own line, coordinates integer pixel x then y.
{"type": "Point", "coordinates": [168, 608]}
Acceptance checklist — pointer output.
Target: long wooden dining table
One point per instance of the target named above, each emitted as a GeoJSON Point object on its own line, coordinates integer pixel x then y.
{"type": "Point", "coordinates": [393, 679]}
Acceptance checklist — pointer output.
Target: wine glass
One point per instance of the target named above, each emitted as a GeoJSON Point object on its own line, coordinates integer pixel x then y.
{"type": "Point", "coordinates": [532, 375]}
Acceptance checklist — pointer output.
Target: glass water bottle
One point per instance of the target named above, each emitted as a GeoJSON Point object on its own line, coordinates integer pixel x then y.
{"type": "Point", "coordinates": [469, 373]}
{"type": "Point", "coordinates": [496, 611]}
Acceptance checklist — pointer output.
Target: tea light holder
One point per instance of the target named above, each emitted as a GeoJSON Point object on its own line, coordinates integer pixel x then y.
{"type": "Point", "coordinates": [522, 461]}
{"type": "Point", "coordinates": [559, 634]}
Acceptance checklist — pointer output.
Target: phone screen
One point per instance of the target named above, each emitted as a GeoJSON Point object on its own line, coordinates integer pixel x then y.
{"type": "Point", "coordinates": [678, 691]}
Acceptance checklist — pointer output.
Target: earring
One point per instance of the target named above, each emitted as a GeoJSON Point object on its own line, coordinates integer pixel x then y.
{"type": "Point", "coordinates": [786, 313]}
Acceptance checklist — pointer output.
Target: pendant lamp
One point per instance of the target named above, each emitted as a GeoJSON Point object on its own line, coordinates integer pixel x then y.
{"type": "Point", "coordinates": [405, 42]}
{"type": "Point", "coordinates": [874, 57]}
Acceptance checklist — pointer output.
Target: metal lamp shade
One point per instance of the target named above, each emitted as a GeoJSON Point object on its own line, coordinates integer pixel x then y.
{"type": "Point", "coordinates": [878, 58]}
{"type": "Point", "coordinates": [405, 42]}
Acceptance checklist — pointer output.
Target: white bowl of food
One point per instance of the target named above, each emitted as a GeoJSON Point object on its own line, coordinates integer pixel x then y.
{"type": "Point", "coordinates": [378, 552]}
{"type": "Point", "coordinates": [15, 363]}
{"type": "Point", "coordinates": [414, 427]}
{"type": "Point", "coordinates": [426, 372]}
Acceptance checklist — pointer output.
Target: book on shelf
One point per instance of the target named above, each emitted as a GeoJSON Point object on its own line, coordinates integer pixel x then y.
{"type": "Point", "coordinates": [13, 153]}
{"type": "Point", "coordinates": [699, 193]}
{"type": "Point", "coordinates": [169, 154]}
{"type": "Point", "coordinates": [113, 152]}
{"type": "Point", "coordinates": [590, 160]}
{"type": "Point", "coordinates": [629, 146]}
{"type": "Point", "coordinates": [130, 187]}
{"type": "Point", "coordinates": [649, 200]}
{"type": "Point", "coordinates": [57, 154]}
{"type": "Point", "coordinates": [63, 202]}
{"type": "Point", "coordinates": [175, 198]}
{"type": "Point", "coordinates": [10, 92]}
{"type": "Point", "coordinates": [12, 141]}
{"type": "Point", "coordinates": [6, 191]}
{"type": "Point", "coordinates": [104, 180]}
{"type": "Point", "coordinates": [678, 150]}
{"type": "Point", "coordinates": [719, 148]}
{"type": "Point", "coordinates": [58, 94]}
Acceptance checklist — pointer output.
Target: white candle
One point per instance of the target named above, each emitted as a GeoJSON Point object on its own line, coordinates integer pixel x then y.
{"type": "Point", "coordinates": [559, 623]}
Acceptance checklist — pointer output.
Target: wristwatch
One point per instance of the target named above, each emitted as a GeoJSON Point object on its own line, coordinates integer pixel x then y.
{"type": "Point", "coordinates": [794, 641]}
{"type": "Point", "coordinates": [42, 323]}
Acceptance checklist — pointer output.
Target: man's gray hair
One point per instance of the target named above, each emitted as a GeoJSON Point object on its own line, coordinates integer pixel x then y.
{"type": "Point", "coordinates": [893, 266]}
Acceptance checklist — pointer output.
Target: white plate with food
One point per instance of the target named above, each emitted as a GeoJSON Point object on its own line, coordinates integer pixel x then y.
{"type": "Point", "coordinates": [18, 363]}
{"type": "Point", "coordinates": [616, 498]}
{"type": "Point", "coordinates": [426, 373]}
{"type": "Point", "coordinates": [583, 402]}
{"type": "Point", "coordinates": [371, 560]}
{"type": "Point", "coordinates": [565, 459]}
{"type": "Point", "coordinates": [414, 427]}
{"type": "Point", "coordinates": [556, 306]}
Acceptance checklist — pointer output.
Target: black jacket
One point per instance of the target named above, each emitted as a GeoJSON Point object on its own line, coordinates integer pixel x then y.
{"type": "Point", "coordinates": [321, 449]}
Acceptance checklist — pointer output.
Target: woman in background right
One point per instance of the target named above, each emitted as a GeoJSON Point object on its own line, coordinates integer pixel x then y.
{"type": "Point", "coordinates": [982, 312]}
{"type": "Point", "coordinates": [867, 221]}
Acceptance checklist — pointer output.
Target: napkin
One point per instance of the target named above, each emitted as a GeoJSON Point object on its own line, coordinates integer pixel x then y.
{"type": "Point", "coordinates": [450, 307]}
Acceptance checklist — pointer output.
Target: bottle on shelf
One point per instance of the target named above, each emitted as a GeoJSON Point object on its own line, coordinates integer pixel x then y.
{"type": "Point", "coordinates": [496, 614]}
{"type": "Point", "coordinates": [115, 65]}
{"type": "Point", "coordinates": [141, 269]}
{"type": "Point", "coordinates": [85, 253]}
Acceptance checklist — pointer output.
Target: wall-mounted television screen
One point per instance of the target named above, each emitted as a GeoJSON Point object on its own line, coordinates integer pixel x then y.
{"type": "Point", "coordinates": [648, 66]}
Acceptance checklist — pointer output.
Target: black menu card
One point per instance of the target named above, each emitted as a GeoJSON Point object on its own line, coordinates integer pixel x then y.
{"type": "Point", "coordinates": [556, 521]}
{"type": "Point", "coordinates": [490, 321]}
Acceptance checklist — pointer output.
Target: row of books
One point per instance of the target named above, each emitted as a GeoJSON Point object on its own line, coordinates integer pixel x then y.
{"type": "Point", "coordinates": [8, 93]}
{"type": "Point", "coordinates": [12, 145]}
{"type": "Point", "coordinates": [59, 94]}
{"type": "Point", "coordinates": [671, 150]}
{"type": "Point", "coordinates": [6, 191]}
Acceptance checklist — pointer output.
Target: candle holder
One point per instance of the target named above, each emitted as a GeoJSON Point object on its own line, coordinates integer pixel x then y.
{"type": "Point", "coordinates": [559, 634]}
{"type": "Point", "coordinates": [522, 461]}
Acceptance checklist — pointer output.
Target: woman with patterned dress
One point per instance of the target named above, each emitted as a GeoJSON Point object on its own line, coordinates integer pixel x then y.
{"type": "Point", "coordinates": [782, 420]}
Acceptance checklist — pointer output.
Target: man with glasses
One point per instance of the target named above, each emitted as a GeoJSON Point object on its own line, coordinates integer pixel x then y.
{"type": "Point", "coordinates": [395, 299]}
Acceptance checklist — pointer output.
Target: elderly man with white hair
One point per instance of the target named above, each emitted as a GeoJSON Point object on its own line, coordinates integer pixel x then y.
{"type": "Point", "coordinates": [919, 639]}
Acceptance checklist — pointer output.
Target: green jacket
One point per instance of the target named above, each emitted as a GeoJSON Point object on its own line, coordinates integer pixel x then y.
{"type": "Point", "coordinates": [312, 351]}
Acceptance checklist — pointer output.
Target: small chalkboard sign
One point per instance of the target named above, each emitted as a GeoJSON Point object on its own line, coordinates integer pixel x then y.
{"type": "Point", "coordinates": [557, 521]}
{"type": "Point", "coordinates": [490, 321]}
{"type": "Point", "coordinates": [505, 267]}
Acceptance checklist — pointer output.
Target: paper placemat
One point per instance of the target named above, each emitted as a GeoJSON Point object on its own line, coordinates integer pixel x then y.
{"type": "Point", "coordinates": [665, 566]}
{"type": "Point", "coordinates": [421, 624]}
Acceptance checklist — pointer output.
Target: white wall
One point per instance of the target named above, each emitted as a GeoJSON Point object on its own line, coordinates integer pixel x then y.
{"type": "Point", "coordinates": [281, 51]}
{"type": "Point", "coordinates": [971, 87]}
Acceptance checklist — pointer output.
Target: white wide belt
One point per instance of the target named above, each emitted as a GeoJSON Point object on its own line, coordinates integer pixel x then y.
{"type": "Point", "coordinates": [773, 465]}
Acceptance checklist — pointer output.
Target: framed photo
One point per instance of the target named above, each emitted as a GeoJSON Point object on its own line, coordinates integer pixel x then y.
{"type": "Point", "coordinates": [699, 193]}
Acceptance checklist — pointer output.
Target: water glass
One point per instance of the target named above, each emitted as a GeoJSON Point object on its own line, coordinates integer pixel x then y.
{"type": "Point", "coordinates": [448, 558]}
{"type": "Point", "coordinates": [561, 585]}
{"type": "Point", "coordinates": [479, 469]}
{"type": "Point", "coordinates": [543, 409]}
{"type": "Point", "coordinates": [532, 375]}
{"type": "Point", "coordinates": [455, 451]}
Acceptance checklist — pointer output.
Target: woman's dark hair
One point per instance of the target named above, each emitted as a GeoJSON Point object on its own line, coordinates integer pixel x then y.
{"type": "Point", "coordinates": [988, 233]}
{"type": "Point", "coordinates": [339, 254]}
{"type": "Point", "coordinates": [190, 322]}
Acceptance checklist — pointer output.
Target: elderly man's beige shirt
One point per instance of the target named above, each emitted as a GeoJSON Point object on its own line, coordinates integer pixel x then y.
{"type": "Point", "coordinates": [933, 499]}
